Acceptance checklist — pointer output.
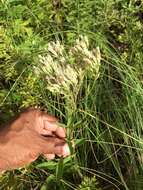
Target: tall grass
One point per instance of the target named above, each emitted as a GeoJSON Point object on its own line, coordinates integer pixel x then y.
{"type": "Point", "coordinates": [107, 124]}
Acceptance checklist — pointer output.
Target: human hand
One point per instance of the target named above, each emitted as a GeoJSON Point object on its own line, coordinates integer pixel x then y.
{"type": "Point", "coordinates": [32, 134]}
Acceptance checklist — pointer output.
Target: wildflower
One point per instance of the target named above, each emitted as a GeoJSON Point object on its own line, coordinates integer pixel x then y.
{"type": "Point", "coordinates": [56, 48]}
{"type": "Point", "coordinates": [61, 76]}
{"type": "Point", "coordinates": [90, 59]}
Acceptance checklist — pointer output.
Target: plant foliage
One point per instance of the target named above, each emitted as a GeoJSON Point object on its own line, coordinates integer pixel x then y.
{"type": "Point", "coordinates": [107, 123]}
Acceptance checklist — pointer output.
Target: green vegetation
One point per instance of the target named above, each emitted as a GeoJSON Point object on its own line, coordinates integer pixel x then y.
{"type": "Point", "coordinates": [107, 121]}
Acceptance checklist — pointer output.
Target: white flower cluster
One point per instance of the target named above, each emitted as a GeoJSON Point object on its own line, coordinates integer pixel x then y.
{"type": "Point", "coordinates": [63, 77]}
{"type": "Point", "coordinates": [90, 59]}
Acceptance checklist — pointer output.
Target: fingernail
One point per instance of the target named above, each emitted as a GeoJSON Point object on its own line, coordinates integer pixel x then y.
{"type": "Point", "coordinates": [62, 150]}
{"type": "Point", "coordinates": [66, 150]}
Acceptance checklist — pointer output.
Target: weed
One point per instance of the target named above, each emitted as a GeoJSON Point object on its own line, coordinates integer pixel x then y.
{"type": "Point", "coordinates": [104, 111]}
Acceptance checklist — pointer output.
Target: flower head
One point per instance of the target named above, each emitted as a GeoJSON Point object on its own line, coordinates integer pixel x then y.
{"type": "Point", "coordinates": [61, 76]}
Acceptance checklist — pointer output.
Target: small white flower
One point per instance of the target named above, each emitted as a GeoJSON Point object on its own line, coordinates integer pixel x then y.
{"type": "Point", "coordinates": [63, 77]}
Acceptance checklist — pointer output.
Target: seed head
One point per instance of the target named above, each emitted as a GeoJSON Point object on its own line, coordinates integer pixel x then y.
{"type": "Point", "coordinates": [61, 76]}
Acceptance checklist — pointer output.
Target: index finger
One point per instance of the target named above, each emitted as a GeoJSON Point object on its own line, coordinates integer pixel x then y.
{"type": "Point", "coordinates": [48, 117]}
{"type": "Point", "coordinates": [51, 124]}
{"type": "Point", "coordinates": [55, 129]}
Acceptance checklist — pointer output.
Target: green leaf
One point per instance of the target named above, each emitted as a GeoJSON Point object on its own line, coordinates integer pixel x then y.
{"type": "Point", "coordinates": [59, 169]}
{"type": "Point", "coordinates": [78, 142]}
{"type": "Point", "coordinates": [51, 165]}
{"type": "Point", "coordinates": [47, 183]}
